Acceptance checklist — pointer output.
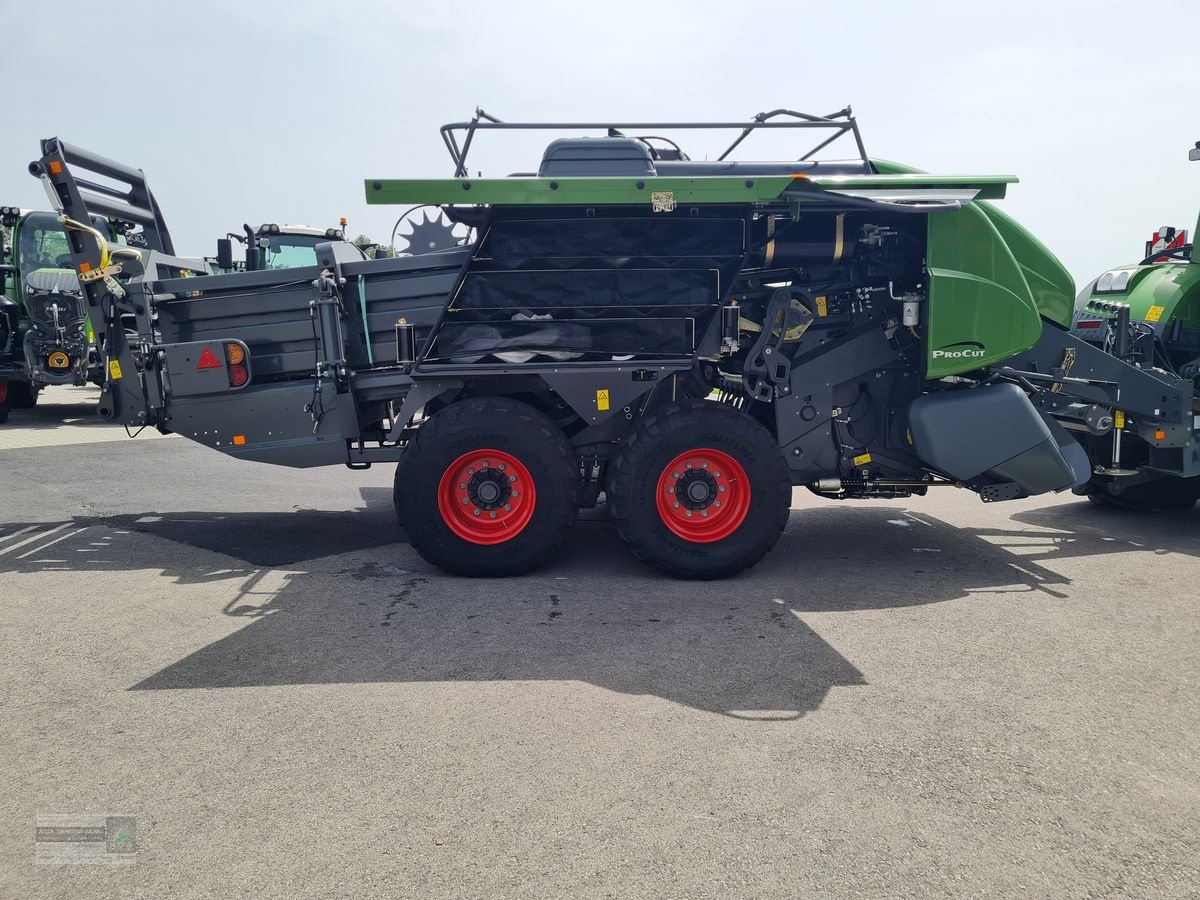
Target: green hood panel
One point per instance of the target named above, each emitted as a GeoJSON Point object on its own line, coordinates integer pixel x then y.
{"type": "Point", "coordinates": [1052, 285]}
{"type": "Point", "coordinates": [981, 309]}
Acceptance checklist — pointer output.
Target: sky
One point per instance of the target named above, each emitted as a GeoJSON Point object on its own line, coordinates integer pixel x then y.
{"type": "Point", "coordinates": [274, 111]}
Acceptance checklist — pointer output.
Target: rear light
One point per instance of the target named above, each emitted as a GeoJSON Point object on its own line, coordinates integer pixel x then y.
{"type": "Point", "coordinates": [238, 375]}
{"type": "Point", "coordinates": [238, 367]}
{"type": "Point", "coordinates": [1088, 323]}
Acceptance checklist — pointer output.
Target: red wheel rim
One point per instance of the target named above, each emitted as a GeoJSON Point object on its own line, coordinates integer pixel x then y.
{"type": "Point", "coordinates": [3, 391]}
{"type": "Point", "coordinates": [486, 497]}
{"type": "Point", "coordinates": [703, 495]}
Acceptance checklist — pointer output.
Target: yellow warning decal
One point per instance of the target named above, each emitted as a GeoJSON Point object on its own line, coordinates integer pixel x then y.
{"type": "Point", "coordinates": [822, 306]}
{"type": "Point", "coordinates": [1118, 419]}
{"type": "Point", "coordinates": [1155, 313]}
{"type": "Point", "coordinates": [114, 370]}
{"type": "Point", "coordinates": [602, 401]}
{"type": "Point", "coordinates": [862, 459]}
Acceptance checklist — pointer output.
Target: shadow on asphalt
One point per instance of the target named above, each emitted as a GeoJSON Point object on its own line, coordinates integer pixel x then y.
{"type": "Point", "coordinates": [327, 597]}
{"type": "Point", "coordinates": [58, 413]}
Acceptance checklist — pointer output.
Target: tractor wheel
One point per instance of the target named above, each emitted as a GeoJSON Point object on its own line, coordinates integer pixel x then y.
{"type": "Point", "coordinates": [699, 490]}
{"type": "Point", "coordinates": [5, 403]}
{"type": "Point", "coordinates": [1167, 494]}
{"type": "Point", "coordinates": [487, 487]}
{"type": "Point", "coordinates": [23, 395]}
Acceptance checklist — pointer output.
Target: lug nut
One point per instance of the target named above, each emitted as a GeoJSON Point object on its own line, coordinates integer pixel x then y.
{"type": "Point", "coordinates": [492, 515]}
{"type": "Point", "coordinates": [478, 511]}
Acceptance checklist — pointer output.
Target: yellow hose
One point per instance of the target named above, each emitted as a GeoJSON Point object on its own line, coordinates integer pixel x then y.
{"type": "Point", "coordinates": [101, 241]}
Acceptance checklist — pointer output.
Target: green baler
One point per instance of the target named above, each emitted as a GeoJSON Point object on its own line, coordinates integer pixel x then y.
{"type": "Point", "coordinates": [687, 339]}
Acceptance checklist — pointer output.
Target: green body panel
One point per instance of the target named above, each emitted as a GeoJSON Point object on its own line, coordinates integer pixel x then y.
{"type": "Point", "coordinates": [632, 191]}
{"type": "Point", "coordinates": [1160, 293]}
{"type": "Point", "coordinates": [599, 191]}
{"type": "Point", "coordinates": [981, 310]}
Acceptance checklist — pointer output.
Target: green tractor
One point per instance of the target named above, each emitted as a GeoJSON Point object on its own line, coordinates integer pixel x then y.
{"type": "Point", "coordinates": [45, 336]}
{"type": "Point", "coordinates": [1149, 314]}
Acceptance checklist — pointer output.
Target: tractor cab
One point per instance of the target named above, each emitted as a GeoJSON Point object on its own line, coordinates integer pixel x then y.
{"type": "Point", "coordinates": [270, 247]}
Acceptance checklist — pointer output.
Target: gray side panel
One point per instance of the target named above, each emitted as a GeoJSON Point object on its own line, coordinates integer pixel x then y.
{"type": "Point", "coordinates": [273, 319]}
{"type": "Point", "coordinates": [273, 422]}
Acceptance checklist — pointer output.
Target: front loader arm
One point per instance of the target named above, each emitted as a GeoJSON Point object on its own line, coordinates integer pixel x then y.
{"type": "Point", "coordinates": [116, 281]}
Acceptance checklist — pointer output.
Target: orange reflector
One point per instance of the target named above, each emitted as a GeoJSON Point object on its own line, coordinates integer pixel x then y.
{"type": "Point", "coordinates": [235, 354]}
{"type": "Point", "coordinates": [238, 375]}
{"type": "Point", "coordinates": [239, 440]}
{"type": "Point", "coordinates": [208, 360]}
{"type": "Point", "coordinates": [55, 167]}
{"type": "Point", "coordinates": [85, 267]}
{"type": "Point", "coordinates": [1160, 435]}
{"type": "Point", "coordinates": [798, 177]}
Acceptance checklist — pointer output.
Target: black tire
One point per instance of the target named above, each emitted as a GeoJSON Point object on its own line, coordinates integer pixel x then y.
{"type": "Point", "coordinates": [21, 395]}
{"type": "Point", "coordinates": [1167, 494]}
{"type": "Point", "coordinates": [708, 431]}
{"type": "Point", "coordinates": [515, 432]}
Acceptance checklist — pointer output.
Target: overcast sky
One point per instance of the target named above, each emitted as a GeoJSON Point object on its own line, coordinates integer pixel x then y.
{"type": "Point", "coordinates": [275, 112]}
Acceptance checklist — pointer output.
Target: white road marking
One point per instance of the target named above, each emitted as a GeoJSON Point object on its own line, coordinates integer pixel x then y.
{"type": "Point", "coordinates": [32, 538]}
{"type": "Point", "coordinates": [42, 547]}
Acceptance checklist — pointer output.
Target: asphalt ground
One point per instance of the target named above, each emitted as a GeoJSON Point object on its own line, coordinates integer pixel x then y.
{"type": "Point", "coordinates": [933, 697]}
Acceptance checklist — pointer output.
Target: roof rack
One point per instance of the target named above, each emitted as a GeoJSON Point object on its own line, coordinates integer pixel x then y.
{"type": "Point", "coordinates": [840, 123]}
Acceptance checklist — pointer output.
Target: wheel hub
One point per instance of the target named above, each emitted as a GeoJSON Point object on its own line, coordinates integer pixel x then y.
{"type": "Point", "coordinates": [489, 489]}
{"type": "Point", "coordinates": [696, 489]}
